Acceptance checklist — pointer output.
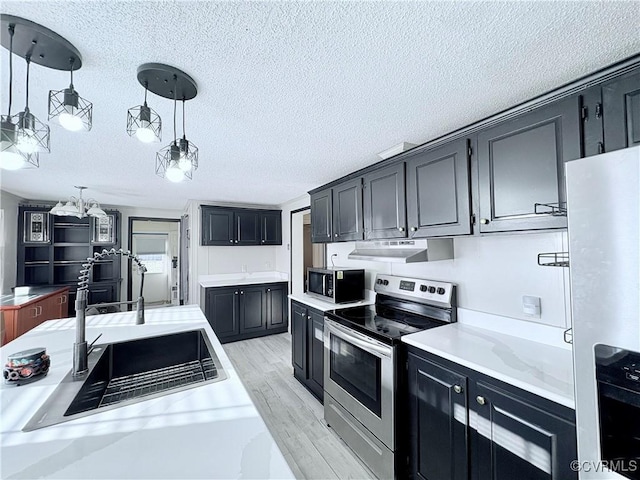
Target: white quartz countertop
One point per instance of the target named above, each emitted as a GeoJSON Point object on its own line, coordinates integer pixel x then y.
{"type": "Point", "coordinates": [211, 431]}
{"type": "Point", "coordinates": [324, 306]}
{"type": "Point", "coordinates": [539, 368]}
{"type": "Point", "coordinates": [228, 279]}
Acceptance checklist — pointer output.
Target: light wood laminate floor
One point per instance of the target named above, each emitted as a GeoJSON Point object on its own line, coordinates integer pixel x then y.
{"type": "Point", "coordinates": [294, 416]}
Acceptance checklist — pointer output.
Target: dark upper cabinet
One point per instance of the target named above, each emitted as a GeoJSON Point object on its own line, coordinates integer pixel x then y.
{"type": "Point", "coordinates": [271, 227]}
{"type": "Point", "coordinates": [245, 311]}
{"type": "Point", "coordinates": [439, 418]}
{"type": "Point", "coordinates": [315, 352]}
{"type": "Point", "coordinates": [621, 111]}
{"type": "Point", "coordinates": [438, 191]}
{"type": "Point", "coordinates": [299, 341]}
{"type": "Point", "coordinates": [321, 216]}
{"type": "Point", "coordinates": [221, 310]}
{"type": "Point", "coordinates": [307, 349]}
{"type": "Point", "coordinates": [511, 429]}
{"type": "Point", "coordinates": [521, 163]}
{"type": "Point", "coordinates": [465, 425]}
{"type": "Point", "coordinates": [240, 226]}
{"type": "Point", "coordinates": [218, 226]}
{"type": "Point", "coordinates": [276, 304]}
{"type": "Point", "coordinates": [591, 117]}
{"type": "Point", "coordinates": [347, 211]}
{"type": "Point", "coordinates": [384, 203]}
{"type": "Point", "coordinates": [247, 227]}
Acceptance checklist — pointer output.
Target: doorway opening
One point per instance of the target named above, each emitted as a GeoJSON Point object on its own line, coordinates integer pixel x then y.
{"type": "Point", "coordinates": [304, 254]}
{"type": "Point", "coordinates": [156, 242]}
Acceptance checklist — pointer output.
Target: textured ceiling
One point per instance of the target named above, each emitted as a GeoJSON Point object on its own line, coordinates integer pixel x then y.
{"type": "Point", "coordinates": [295, 94]}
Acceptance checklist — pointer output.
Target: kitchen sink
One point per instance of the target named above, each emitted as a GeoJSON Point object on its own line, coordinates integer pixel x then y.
{"type": "Point", "coordinates": [132, 371]}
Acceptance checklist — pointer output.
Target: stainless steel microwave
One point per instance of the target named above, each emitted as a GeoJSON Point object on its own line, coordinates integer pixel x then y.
{"type": "Point", "coordinates": [337, 285]}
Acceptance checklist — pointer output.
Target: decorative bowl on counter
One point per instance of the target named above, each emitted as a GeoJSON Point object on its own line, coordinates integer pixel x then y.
{"type": "Point", "coordinates": [26, 366]}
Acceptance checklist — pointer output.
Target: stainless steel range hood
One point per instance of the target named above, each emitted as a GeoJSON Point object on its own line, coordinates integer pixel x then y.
{"type": "Point", "coordinates": [404, 251]}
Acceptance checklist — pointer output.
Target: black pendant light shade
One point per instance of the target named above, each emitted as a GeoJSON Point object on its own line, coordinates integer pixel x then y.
{"type": "Point", "coordinates": [32, 136]}
{"type": "Point", "coordinates": [144, 123]}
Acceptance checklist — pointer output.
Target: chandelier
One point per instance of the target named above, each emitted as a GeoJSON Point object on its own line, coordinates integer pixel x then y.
{"type": "Point", "coordinates": [78, 207]}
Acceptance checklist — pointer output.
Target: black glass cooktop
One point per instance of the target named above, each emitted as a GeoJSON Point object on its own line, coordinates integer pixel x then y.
{"type": "Point", "coordinates": [386, 324]}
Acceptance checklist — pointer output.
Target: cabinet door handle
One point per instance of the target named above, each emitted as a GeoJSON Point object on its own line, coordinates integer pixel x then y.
{"type": "Point", "coordinates": [457, 388]}
{"type": "Point", "coordinates": [35, 312]}
{"type": "Point", "coordinates": [235, 293]}
{"type": "Point", "coordinates": [268, 289]}
{"type": "Point", "coordinates": [231, 241]}
{"type": "Point", "coordinates": [480, 400]}
{"type": "Point", "coordinates": [335, 235]}
{"type": "Point", "coordinates": [414, 229]}
{"type": "Point", "coordinates": [484, 221]}
{"type": "Point", "coordinates": [401, 229]}
{"type": "Point", "coordinates": [308, 317]}
{"type": "Point", "coordinates": [241, 292]}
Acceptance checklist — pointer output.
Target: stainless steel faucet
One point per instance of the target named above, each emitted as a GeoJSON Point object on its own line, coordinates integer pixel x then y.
{"type": "Point", "coordinates": [81, 349]}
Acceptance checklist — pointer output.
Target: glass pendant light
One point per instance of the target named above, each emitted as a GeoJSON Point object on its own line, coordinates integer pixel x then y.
{"type": "Point", "coordinates": [72, 111]}
{"type": "Point", "coordinates": [143, 122]}
{"type": "Point", "coordinates": [12, 157]}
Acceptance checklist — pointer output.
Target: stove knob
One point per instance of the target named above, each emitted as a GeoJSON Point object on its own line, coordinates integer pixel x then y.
{"type": "Point", "coordinates": [440, 291]}
{"type": "Point", "coordinates": [379, 281]}
{"type": "Point", "coordinates": [385, 282]}
{"type": "Point", "coordinates": [423, 288]}
{"type": "Point", "coordinates": [432, 289]}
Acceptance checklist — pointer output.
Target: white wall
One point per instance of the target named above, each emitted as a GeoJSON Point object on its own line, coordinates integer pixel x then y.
{"type": "Point", "coordinates": [8, 240]}
{"type": "Point", "coordinates": [283, 254]}
{"type": "Point", "coordinates": [492, 273]}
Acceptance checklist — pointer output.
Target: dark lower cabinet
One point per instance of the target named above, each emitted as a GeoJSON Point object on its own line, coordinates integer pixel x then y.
{"type": "Point", "coordinates": [521, 163]}
{"type": "Point", "coordinates": [464, 425]}
{"type": "Point", "coordinates": [245, 311]}
{"type": "Point", "coordinates": [307, 349]}
{"type": "Point", "coordinates": [621, 112]}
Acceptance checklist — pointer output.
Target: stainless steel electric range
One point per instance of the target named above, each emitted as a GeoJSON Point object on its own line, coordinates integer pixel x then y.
{"type": "Point", "coordinates": [360, 362]}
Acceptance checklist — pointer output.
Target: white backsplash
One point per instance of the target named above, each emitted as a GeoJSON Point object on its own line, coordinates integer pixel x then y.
{"type": "Point", "coordinates": [492, 273]}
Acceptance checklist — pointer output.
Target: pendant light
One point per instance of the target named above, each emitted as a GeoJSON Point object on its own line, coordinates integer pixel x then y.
{"type": "Point", "coordinates": [11, 157]}
{"type": "Point", "coordinates": [72, 111]}
{"type": "Point", "coordinates": [168, 159]}
{"type": "Point", "coordinates": [143, 122]}
{"type": "Point", "coordinates": [178, 160]}
{"type": "Point", "coordinates": [32, 135]}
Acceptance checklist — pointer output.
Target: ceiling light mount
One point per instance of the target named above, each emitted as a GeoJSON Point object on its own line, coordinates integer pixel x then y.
{"type": "Point", "coordinates": [163, 79]}
{"type": "Point", "coordinates": [45, 47]}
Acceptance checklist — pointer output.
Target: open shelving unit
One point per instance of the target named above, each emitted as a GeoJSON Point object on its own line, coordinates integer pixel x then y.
{"type": "Point", "coordinates": [56, 257]}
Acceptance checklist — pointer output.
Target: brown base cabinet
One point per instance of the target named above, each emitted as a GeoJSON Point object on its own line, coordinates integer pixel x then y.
{"type": "Point", "coordinates": [464, 425]}
{"type": "Point", "coordinates": [246, 311]}
{"type": "Point", "coordinates": [19, 319]}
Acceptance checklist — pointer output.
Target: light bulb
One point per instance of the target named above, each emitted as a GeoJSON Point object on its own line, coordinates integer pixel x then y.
{"type": "Point", "coordinates": [145, 134]}
{"type": "Point", "coordinates": [174, 173]}
{"type": "Point", "coordinates": [184, 164]}
{"type": "Point", "coordinates": [11, 160]}
{"type": "Point", "coordinates": [26, 141]}
{"type": "Point", "coordinates": [71, 122]}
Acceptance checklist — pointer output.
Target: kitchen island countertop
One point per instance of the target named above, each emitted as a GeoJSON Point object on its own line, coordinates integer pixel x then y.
{"type": "Point", "coordinates": [211, 431]}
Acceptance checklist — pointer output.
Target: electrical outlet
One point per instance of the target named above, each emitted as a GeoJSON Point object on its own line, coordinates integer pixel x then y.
{"type": "Point", "coordinates": [244, 268]}
{"type": "Point", "coordinates": [267, 265]}
{"type": "Point", "coordinates": [531, 306]}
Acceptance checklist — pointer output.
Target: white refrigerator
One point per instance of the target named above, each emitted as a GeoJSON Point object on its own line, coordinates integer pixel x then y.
{"type": "Point", "coordinates": [603, 204]}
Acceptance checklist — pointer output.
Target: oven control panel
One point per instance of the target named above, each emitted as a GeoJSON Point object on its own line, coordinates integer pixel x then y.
{"type": "Point", "coordinates": [416, 289]}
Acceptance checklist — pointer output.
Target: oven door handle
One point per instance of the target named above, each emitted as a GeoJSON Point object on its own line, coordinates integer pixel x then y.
{"type": "Point", "coordinates": [348, 335]}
